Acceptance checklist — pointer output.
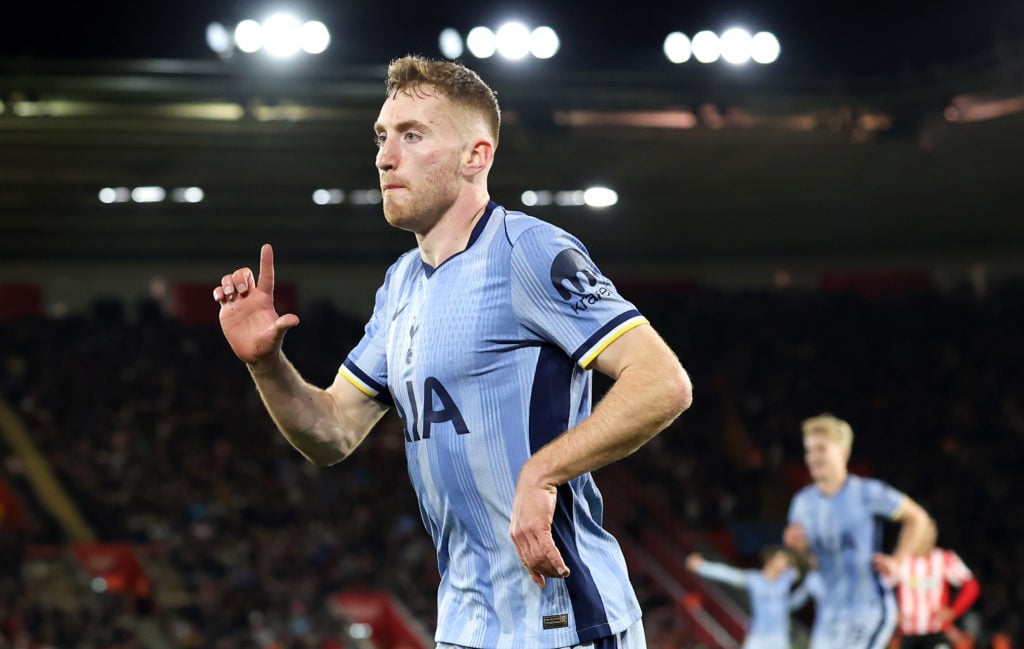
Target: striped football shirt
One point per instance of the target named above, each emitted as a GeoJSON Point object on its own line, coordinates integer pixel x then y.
{"type": "Point", "coordinates": [485, 359]}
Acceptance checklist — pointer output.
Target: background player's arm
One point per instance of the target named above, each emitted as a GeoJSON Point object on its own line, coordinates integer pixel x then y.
{"type": "Point", "coordinates": [324, 425]}
{"type": "Point", "coordinates": [914, 533]}
{"type": "Point", "coordinates": [716, 571]}
{"type": "Point", "coordinates": [650, 390]}
{"type": "Point", "coordinates": [915, 528]}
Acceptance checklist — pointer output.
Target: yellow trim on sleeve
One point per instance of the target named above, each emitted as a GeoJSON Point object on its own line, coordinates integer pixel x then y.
{"type": "Point", "coordinates": [356, 382]}
{"type": "Point", "coordinates": [897, 513]}
{"type": "Point", "coordinates": [612, 337]}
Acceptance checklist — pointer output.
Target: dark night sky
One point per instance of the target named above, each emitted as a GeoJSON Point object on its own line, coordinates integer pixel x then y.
{"type": "Point", "coordinates": [872, 37]}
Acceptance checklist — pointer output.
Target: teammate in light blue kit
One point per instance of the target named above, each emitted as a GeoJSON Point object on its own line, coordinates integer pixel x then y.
{"type": "Point", "coordinates": [482, 339]}
{"type": "Point", "coordinates": [771, 595]}
{"type": "Point", "coordinates": [836, 520]}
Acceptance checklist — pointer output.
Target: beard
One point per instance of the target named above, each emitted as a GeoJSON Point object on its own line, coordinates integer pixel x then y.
{"type": "Point", "coordinates": [418, 208]}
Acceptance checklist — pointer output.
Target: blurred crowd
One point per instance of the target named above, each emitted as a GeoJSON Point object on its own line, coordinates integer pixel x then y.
{"type": "Point", "coordinates": [155, 430]}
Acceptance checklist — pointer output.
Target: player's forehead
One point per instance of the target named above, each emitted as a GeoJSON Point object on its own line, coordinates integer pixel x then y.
{"type": "Point", "coordinates": [423, 105]}
{"type": "Point", "coordinates": [818, 441]}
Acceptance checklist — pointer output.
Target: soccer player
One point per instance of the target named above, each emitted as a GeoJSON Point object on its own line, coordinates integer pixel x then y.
{"type": "Point", "coordinates": [836, 519]}
{"type": "Point", "coordinates": [923, 582]}
{"type": "Point", "coordinates": [770, 590]}
{"type": "Point", "coordinates": [483, 339]}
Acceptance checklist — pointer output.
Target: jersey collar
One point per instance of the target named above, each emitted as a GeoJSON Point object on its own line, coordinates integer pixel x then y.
{"type": "Point", "coordinates": [473, 236]}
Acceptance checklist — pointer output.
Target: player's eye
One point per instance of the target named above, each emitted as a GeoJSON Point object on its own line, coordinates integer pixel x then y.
{"type": "Point", "coordinates": [379, 139]}
{"type": "Point", "coordinates": [411, 136]}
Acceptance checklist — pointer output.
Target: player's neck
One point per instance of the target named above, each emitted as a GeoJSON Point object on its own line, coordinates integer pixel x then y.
{"type": "Point", "coordinates": [832, 484]}
{"type": "Point", "coordinates": [450, 235]}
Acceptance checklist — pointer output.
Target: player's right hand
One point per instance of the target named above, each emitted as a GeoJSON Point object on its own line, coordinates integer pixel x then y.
{"type": "Point", "coordinates": [248, 318]}
{"type": "Point", "coordinates": [694, 561]}
{"type": "Point", "coordinates": [793, 537]}
{"type": "Point", "coordinates": [886, 565]}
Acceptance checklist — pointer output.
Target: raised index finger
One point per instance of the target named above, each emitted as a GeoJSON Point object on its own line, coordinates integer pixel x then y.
{"type": "Point", "coordinates": [265, 282]}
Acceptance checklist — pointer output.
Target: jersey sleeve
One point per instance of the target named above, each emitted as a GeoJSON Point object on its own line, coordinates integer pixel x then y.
{"type": "Point", "coordinates": [366, 365]}
{"type": "Point", "coordinates": [956, 571]}
{"type": "Point", "coordinates": [561, 297]}
{"type": "Point", "coordinates": [882, 499]}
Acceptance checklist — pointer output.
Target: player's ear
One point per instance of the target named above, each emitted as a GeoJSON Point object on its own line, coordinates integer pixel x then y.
{"type": "Point", "coordinates": [479, 156]}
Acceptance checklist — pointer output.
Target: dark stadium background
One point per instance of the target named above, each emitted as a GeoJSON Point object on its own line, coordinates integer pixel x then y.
{"type": "Point", "coordinates": [826, 237]}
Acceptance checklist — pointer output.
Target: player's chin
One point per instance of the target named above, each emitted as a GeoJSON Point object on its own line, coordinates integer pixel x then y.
{"type": "Point", "coordinates": [395, 215]}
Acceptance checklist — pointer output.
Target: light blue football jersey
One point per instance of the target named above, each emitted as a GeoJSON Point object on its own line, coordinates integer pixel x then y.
{"type": "Point", "coordinates": [485, 360]}
{"type": "Point", "coordinates": [844, 531]}
{"type": "Point", "coordinates": [769, 602]}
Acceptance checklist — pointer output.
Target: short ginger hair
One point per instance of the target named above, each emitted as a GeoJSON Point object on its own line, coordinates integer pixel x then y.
{"type": "Point", "coordinates": [460, 85]}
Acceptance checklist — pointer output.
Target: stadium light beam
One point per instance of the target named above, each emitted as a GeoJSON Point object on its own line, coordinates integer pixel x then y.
{"type": "Point", "coordinates": [736, 46]}
{"type": "Point", "coordinates": [482, 42]}
{"type": "Point", "coordinates": [513, 41]}
{"type": "Point", "coordinates": [765, 48]}
{"type": "Point", "coordinates": [314, 37]}
{"type": "Point", "coordinates": [450, 43]}
{"type": "Point", "coordinates": [249, 36]}
{"type": "Point", "coordinates": [282, 33]}
{"type": "Point", "coordinates": [706, 46]}
{"type": "Point", "coordinates": [677, 47]}
{"type": "Point", "coordinates": [544, 42]}
{"type": "Point", "coordinates": [600, 197]}
{"type": "Point", "coordinates": [218, 38]}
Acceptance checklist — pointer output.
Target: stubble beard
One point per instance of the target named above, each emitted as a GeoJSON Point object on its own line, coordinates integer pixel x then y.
{"type": "Point", "coordinates": [419, 213]}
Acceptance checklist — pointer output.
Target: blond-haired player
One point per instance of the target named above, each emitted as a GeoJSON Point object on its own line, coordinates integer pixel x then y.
{"type": "Point", "coordinates": [837, 519]}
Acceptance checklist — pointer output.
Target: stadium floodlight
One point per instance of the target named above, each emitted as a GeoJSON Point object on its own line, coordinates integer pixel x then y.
{"type": "Point", "coordinates": [249, 36]}
{"type": "Point", "coordinates": [706, 46]}
{"type": "Point", "coordinates": [600, 197]}
{"type": "Point", "coordinates": [482, 42]}
{"type": "Point", "coordinates": [677, 47]}
{"type": "Point", "coordinates": [328, 196]}
{"type": "Point", "coordinates": [281, 34]}
{"type": "Point", "coordinates": [365, 197]}
{"type": "Point", "coordinates": [149, 194]}
{"type": "Point", "coordinates": [513, 41]}
{"type": "Point", "coordinates": [450, 43]}
{"type": "Point", "coordinates": [109, 195]}
{"type": "Point", "coordinates": [531, 198]}
{"type": "Point", "coordinates": [570, 198]}
{"type": "Point", "coordinates": [218, 38]}
{"type": "Point", "coordinates": [735, 46]}
{"type": "Point", "coordinates": [764, 47]}
{"type": "Point", "coordinates": [188, 195]}
{"type": "Point", "coordinates": [314, 37]}
{"type": "Point", "coordinates": [544, 42]}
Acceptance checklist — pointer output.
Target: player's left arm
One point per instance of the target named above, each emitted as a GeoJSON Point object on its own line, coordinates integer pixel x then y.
{"type": "Point", "coordinates": [914, 533]}
{"type": "Point", "coordinates": [650, 390]}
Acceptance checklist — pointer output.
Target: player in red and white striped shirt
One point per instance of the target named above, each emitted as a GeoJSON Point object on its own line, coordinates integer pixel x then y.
{"type": "Point", "coordinates": [924, 580]}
